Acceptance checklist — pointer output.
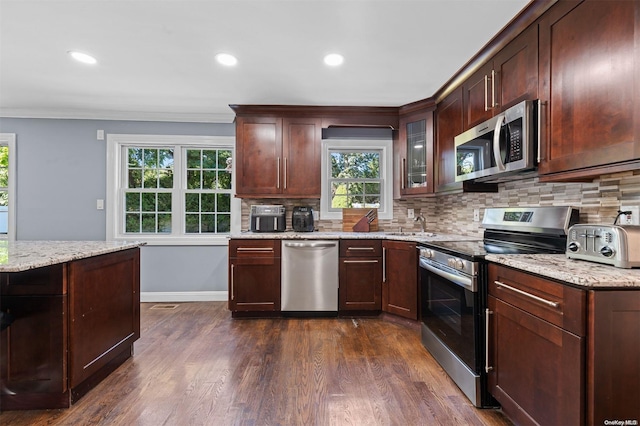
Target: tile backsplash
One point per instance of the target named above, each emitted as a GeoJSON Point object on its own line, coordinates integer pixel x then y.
{"type": "Point", "coordinates": [598, 202]}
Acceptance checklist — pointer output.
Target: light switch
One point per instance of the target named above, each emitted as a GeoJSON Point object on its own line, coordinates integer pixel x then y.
{"type": "Point", "coordinates": [100, 205]}
{"type": "Point", "coordinates": [100, 135]}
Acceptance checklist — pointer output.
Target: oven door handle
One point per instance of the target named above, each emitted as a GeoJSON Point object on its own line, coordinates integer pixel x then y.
{"type": "Point", "coordinates": [462, 281]}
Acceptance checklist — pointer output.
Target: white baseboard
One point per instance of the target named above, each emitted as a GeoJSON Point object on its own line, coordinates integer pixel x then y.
{"type": "Point", "coordinates": [183, 296]}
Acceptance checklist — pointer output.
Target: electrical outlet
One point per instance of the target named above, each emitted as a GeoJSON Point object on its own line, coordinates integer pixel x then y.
{"type": "Point", "coordinates": [630, 219]}
{"type": "Point", "coordinates": [476, 215]}
{"type": "Point", "coordinates": [410, 213]}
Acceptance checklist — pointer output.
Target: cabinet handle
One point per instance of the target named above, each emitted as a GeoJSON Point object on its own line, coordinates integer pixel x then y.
{"type": "Point", "coordinates": [384, 264]}
{"type": "Point", "coordinates": [540, 105]}
{"type": "Point", "coordinates": [529, 295]}
{"type": "Point", "coordinates": [278, 173]}
{"type": "Point", "coordinates": [285, 173]}
{"type": "Point", "coordinates": [260, 249]}
{"type": "Point", "coordinates": [360, 261]}
{"type": "Point", "coordinates": [493, 89]}
{"type": "Point", "coordinates": [486, 95]}
{"type": "Point", "coordinates": [232, 292]}
{"type": "Point", "coordinates": [487, 367]}
{"type": "Point", "coordinates": [403, 171]}
{"type": "Point", "coordinates": [361, 248]}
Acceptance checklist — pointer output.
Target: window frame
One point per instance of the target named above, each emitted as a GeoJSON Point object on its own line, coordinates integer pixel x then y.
{"type": "Point", "coordinates": [385, 211]}
{"type": "Point", "coordinates": [116, 185]}
{"type": "Point", "coordinates": [9, 140]}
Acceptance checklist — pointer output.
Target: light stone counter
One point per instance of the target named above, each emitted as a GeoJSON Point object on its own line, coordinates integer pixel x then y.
{"type": "Point", "coordinates": [417, 237]}
{"type": "Point", "coordinates": [20, 256]}
{"type": "Point", "coordinates": [578, 272]}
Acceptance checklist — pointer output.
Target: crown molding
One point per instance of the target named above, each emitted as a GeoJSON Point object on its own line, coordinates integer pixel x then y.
{"type": "Point", "coordinates": [116, 115]}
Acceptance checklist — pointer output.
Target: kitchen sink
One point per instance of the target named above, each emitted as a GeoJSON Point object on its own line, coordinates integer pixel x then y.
{"type": "Point", "coordinates": [412, 234]}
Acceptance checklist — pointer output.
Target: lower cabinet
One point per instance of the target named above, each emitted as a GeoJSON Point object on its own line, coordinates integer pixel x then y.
{"type": "Point", "coordinates": [254, 276]}
{"type": "Point", "coordinates": [400, 279]}
{"type": "Point", "coordinates": [562, 355]}
{"type": "Point", "coordinates": [360, 276]}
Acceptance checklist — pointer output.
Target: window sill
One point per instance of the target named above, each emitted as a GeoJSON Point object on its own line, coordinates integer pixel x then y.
{"type": "Point", "coordinates": [199, 241]}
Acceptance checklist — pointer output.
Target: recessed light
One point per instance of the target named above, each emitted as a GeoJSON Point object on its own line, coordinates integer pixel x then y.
{"type": "Point", "coordinates": [226, 59]}
{"type": "Point", "coordinates": [333, 59]}
{"type": "Point", "coordinates": [82, 57]}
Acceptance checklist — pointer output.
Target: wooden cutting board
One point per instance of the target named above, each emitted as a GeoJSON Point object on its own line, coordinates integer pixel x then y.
{"type": "Point", "coordinates": [352, 216]}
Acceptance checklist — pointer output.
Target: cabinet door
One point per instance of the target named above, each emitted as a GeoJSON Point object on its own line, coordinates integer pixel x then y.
{"type": "Point", "coordinates": [302, 139]}
{"type": "Point", "coordinates": [415, 155]}
{"type": "Point", "coordinates": [479, 97]}
{"type": "Point", "coordinates": [259, 163]}
{"type": "Point", "coordinates": [449, 124]}
{"type": "Point", "coordinates": [400, 279]}
{"type": "Point", "coordinates": [515, 71]}
{"type": "Point", "coordinates": [360, 284]}
{"type": "Point", "coordinates": [537, 368]}
{"type": "Point", "coordinates": [254, 275]}
{"type": "Point", "coordinates": [590, 83]}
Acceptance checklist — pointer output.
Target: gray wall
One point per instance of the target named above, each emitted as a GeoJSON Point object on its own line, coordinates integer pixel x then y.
{"type": "Point", "coordinates": [61, 172]}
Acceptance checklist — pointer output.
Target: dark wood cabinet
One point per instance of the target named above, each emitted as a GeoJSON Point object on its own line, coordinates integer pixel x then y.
{"type": "Point", "coordinates": [511, 76]}
{"type": "Point", "coordinates": [254, 276]}
{"type": "Point", "coordinates": [400, 278]}
{"type": "Point", "coordinates": [590, 88]}
{"type": "Point", "coordinates": [562, 355]}
{"type": "Point", "coordinates": [360, 276]}
{"type": "Point", "coordinates": [278, 156]}
{"type": "Point", "coordinates": [73, 324]}
{"type": "Point", "coordinates": [449, 124]}
{"type": "Point", "coordinates": [414, 154]}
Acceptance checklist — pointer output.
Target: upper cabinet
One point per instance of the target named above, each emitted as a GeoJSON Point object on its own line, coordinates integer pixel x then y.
{"type": "Point", "coordinates": [590, 88]}
{"type": "Point", "coordinates": [414, 153]}
{"type": "Point", "coordinates": [449, 124]}
{"type": "Point", "coordinates": [278, 157]}
{"type": "Point", "coordinates": [510, 77]}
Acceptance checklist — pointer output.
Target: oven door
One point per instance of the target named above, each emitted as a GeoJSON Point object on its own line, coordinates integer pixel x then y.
{"type": "Point", "coordinates": [451, 310]}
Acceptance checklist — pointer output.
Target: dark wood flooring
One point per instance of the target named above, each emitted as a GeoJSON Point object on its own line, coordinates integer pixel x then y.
{"type": "Point", "coordinates": [194, 365]}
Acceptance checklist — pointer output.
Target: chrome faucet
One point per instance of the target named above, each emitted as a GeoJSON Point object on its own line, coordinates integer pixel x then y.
{"type": "Point", "coordinates": [422, 220]}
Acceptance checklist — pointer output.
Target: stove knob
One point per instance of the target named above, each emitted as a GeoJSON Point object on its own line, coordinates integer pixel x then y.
{"type": "Point", "coordinates": [459, 264]}
{"type": "Point", "coordinates": [607, 251]}
{"type": "Point", "coordinates": [573, 246]}
{"type": "Point", "coordinates": [426, 253]}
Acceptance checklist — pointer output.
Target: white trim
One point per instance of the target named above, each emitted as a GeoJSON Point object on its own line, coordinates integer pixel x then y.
{"type": "Point", "coordinates": [115, 160]}
{"type": "Point", "coordinates": [9, 139]}
{"type": "Point", "coordinates": [386, 173]}
{"type": "Point", "coordinates": [184, 296]}
{"type": "Point", "coordinates": [74, 114]}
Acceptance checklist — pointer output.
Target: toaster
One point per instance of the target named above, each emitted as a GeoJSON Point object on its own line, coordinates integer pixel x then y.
{"type": "Point", "coordinates": [267, 218]}
{"type": "Point", "coordinates": [617, 245]}
{"type": "Point", "coordinates": [302, 219]}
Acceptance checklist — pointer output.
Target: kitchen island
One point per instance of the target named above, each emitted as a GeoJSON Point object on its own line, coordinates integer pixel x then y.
{"type": "Point", "coordinates": [70, 315]}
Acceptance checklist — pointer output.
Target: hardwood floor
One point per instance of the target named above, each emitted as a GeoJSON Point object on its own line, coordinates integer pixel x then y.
{"type": "Point", "coordinates": [194, 365]}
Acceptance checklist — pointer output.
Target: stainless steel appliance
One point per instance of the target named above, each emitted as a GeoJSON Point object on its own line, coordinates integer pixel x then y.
{"type": "Point", "coordinates": [267, 218]}
{"type": "Point", "coordinates": [309, 277]}
{"type": "Point", "coordinates": [617, 245]}
{"type": "Point", "coordinates": [302, 219]}
{"type": "Point", "coordinates": [501, 146]}
{"type": "Point", "coordinates": [453, 287]}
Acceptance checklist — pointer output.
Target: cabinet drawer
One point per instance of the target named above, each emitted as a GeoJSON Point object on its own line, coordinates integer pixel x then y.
{"type": "Point", "coordinates": [254, 248]}
{"type": "Point", "coordinates": [360, 248]}
{"type": "Point", "coordinates": [556, 303]}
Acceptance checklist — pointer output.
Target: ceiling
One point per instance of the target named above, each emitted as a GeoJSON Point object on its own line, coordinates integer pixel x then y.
{"type": "Point", "coordinates": [156, 58]}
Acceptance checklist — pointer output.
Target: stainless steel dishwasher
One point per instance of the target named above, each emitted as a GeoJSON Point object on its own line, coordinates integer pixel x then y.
{"type": "Point", "coordinates": [310, 276]}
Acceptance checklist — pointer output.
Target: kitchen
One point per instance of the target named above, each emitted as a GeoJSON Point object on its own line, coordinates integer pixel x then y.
{"type": "Point", "coordinates": [598, 200]}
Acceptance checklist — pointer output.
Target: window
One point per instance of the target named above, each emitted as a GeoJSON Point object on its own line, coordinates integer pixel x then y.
{"type": "Point", "coordinates": [171, 189]}
{"type": "Point", "coordinates": [7, 186]}
{"type": "Point", "coordinates": [356, 173]}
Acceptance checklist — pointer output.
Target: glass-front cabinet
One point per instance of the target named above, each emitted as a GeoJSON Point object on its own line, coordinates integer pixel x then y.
{"type": "Point", "coordinates": [415, 153]}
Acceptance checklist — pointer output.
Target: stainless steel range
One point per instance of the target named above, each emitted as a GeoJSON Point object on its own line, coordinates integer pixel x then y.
{"type": "Point", "coordinates": [453, 287]}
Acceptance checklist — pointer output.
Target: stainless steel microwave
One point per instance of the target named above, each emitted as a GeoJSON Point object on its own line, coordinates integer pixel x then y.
{"type": "Point", "coordinates": [501, 146]}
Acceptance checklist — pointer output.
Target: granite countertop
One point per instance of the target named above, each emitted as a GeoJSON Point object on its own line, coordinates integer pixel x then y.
{"type": "Point", "coordinates": [580, 273]}
{"type": "Point", "coordinates": [398, 236]}
{"type": "Point", "coordinates": [21, 256]}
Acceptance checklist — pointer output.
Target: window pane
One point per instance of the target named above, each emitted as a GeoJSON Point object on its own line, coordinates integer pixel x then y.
{"type": "Point", "coordinates": [224, 159]}
{"type": "Point", "coordinates": [208, 203]}
{"type": "Point", "coordinates": [372, 188]}
{"type": "Point", "coordinates": [224, 202]}
{"type": "Point", "coordinates": [165, 178]}
{"type": "Point", "coordinates": [164, 202]}
{"type": "Point", "coordinates": [208, 159]}
{"type": "Point", "coordinates": [135, 178]}
{"type": "Point", "coordinates": [339, 202]}
{"type": "Point", "coordinates": [208, 223]}
{"type": "Point", "coordinates": [4, 166]}
{"type": "Point", "coordinates": [148, 222]}
{"type": "Point", "coordinates": [193, 158]}
{"type": "Point", "coordinates": [132, 201]}
{"type": "Point", "coordinates": [209, 179]}
{"type": "Point", "coordinates": [164, 223]}
{"type": "Point", "coordinates": [192, 202]}
{"type": "Point", "coordinates": [223, 223]}
{"type": "Point", "coordinates": [135, 157]}
{"type": "Point", "coordinates": [150, 178]}
{"type": "Point", "coordinates": [150, 158]}
{"type": "Point", "coordinates": [165, 157]}
{"type": "Point", "coordinates": [148, 202]}
{"type": "Point", "coordinates": [372, 201]}
{"type": "Point", "coordinates": [4, 198]}
{"type": "Point", "coordinates": [355, 165]}
{"type": "Point", "coordinates": [192, 224]}
{"type": "Point", "coordinates": [132, 222]}
{"type": "Point", "coordinates": [193, 179]}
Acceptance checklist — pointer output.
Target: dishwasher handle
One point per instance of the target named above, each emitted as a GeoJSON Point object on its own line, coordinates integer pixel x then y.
{"type": "Point", "coordinates": [310, 245]}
